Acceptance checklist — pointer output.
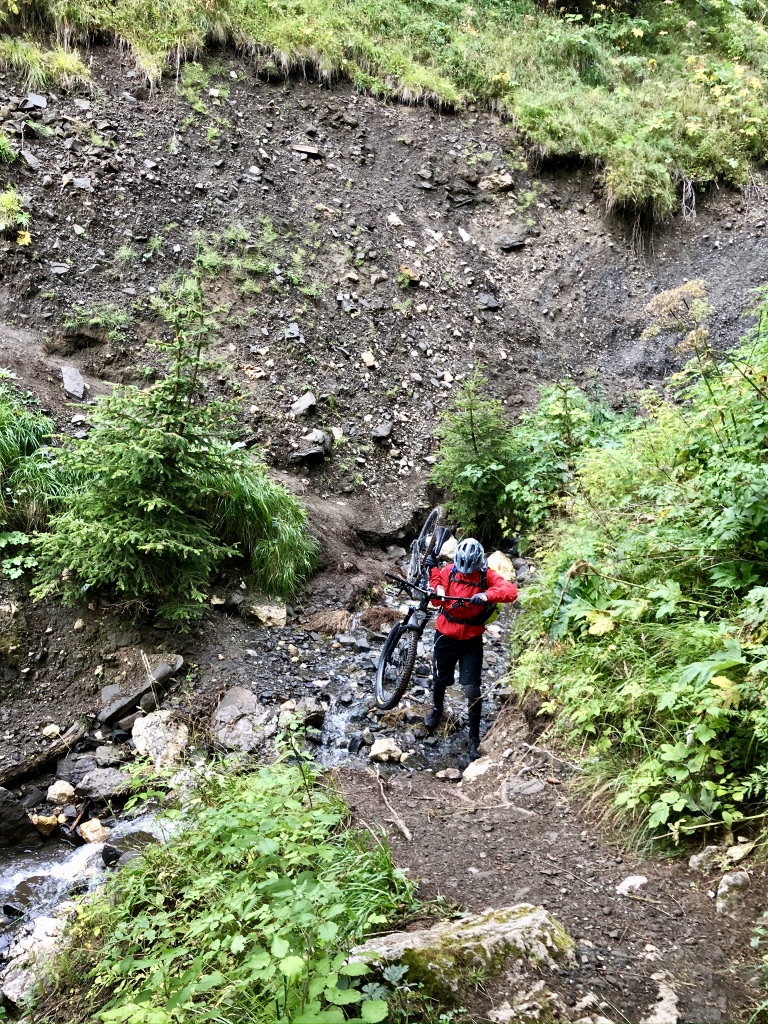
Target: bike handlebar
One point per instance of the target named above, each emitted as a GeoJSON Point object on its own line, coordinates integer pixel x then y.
{"type": "Point", "coordinates": [457, 602]}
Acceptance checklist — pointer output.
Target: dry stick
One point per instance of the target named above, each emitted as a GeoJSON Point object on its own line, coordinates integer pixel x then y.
{"type": "Point", "coordinates": [653, 903]}
{"type": "Point", "coordinates": [397, 819]}
{"type": "Point", "coordinates": [550, 756]}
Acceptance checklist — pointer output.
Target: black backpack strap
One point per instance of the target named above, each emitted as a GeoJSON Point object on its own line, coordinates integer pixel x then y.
{"type": "Point", "coordinates": [467, 583]}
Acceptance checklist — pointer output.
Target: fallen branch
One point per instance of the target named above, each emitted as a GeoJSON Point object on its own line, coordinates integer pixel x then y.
{"type": "Point", "coordinates": [550, 756]}
{"type": "Point", "coordinates": [34, 762]}
{"type": "Point", "coordinates": [397, 820]}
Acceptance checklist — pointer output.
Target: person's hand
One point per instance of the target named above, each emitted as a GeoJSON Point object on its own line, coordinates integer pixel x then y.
{"type": "Point", "coordinates": [478, 599]}
{"type": "Point", "coordinates": [440, 591]}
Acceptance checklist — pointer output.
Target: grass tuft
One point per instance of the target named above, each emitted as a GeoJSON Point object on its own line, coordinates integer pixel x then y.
{"type": "Point", "coordinates": [42, 67]}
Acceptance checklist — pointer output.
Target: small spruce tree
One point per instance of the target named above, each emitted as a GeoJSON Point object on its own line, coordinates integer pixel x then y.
{"type": "Point", "coordinates": [163, 495]}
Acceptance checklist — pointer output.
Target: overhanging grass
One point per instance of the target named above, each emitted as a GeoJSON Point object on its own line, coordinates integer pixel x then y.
{"type": "Point", "coordinates": [674, 94]}
{"type": "Point", "coordinates": [39, 67]}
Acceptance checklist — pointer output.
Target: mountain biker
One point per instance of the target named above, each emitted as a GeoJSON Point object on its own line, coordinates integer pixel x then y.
{"type": "Point", "coordinates": [459, 630]}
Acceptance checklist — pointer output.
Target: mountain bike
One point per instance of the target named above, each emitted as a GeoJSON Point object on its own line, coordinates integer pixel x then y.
{"type": "Point", "coordinates": [398, 655]}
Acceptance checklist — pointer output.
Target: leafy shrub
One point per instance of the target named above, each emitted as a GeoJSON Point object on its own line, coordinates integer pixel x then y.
{"type": "Point", "coordinates": [647, 632]}
{"type": "Point", "coordinates": [163, 495]}
{"type": "Point", "coordinates": [506, 479]}
{"type": "Point", "coordinates": [14, 219]}
{"type": "Point", "coordinates": [246, 914]}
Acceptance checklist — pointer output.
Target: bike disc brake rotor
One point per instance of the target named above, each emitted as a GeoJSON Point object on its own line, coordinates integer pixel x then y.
{"type": "Point", "coordinates": [397, 660]}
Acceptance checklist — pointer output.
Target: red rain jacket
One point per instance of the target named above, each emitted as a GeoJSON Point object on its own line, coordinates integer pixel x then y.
{"type": "Point", "coordinates": [498, 591]}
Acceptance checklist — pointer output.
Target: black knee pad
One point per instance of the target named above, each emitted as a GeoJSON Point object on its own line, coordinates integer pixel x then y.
{"type": "Point", "coordinates": [472, 693]}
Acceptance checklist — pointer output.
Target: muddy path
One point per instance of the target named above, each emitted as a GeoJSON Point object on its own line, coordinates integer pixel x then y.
{"type": "Point", "coordinates": [518, 833]}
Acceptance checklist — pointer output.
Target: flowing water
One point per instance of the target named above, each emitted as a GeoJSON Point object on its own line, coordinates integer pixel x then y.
{"type": "Point", "coordinates": [33, 882]}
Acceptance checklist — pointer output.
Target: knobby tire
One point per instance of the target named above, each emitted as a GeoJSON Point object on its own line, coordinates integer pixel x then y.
{"type": "Point", "coordinates": [400, 643]}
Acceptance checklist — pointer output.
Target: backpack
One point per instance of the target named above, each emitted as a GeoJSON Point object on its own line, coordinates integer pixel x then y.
{"type": "Point", "coordinates": [487, 615]}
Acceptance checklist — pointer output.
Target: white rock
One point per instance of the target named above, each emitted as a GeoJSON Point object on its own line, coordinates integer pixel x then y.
{"type": "Point", "coordinates": [632, 883]}
{"type": "Point", "coordinates": [51, 731]}
{"type": "Point", "coordinates": [729, 891]}
{"type": "Point", "coordinates": [737, 853]}
{"type": "Point", "coordinates": [385, 749]}
{"type": "Point", "coordinates": [157, 736]}
{"type": "Point", "coordinates": [60, 793]}
{"type": "Point", "coordinates": [269, 615]}
{"type": "Point", "coordinates": [448, 550]}
{"type": "Point", "coordinates": [464, 235]}
{"type": "Point", "coordinates": [665, 1010]}
{"type": "Point", "coordinates": [368, 358]}
{"type": "Point", "coordinates": [240, 721]}
{"type": "Point", "coordinates": [476, 768]}
{"type": "Point", "coordinates": [394, 221]}
{"type": "Point", "coordinates": [94, 832]}
{"type": "Point", "coordinates": [28, 955]}
{"type": "Point", "coordinates": [499, 562]}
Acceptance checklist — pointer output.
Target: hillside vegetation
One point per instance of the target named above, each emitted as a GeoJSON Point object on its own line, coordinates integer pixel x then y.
{"type": "Point", "coordinates": [247, 913]}
{"type": "Point", "coordinates": [646, 635]}
{"type": "Point", "coordinates": [663, 96]}
{"type": "Point", "coordinates": [157, 497]}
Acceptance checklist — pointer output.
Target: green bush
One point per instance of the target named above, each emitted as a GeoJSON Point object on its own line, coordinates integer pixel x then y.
{"type": "Point", "coordinates": [245, 914]}
{"type": "Point", "coordinates": [505, 479]}
{"type": "Point", "coordinates": [648, 632]}
{"type": "Point", "coordinates": [163, 495]}
{"type": "Point", "coordinates": [23, 475]}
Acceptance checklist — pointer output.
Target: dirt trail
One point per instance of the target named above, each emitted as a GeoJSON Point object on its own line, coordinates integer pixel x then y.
{"type": "Point", "coordinates": [519, 834]}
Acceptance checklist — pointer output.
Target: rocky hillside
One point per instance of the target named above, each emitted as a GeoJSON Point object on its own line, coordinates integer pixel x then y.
{"type": "Point", "coordinates": [364, 257]}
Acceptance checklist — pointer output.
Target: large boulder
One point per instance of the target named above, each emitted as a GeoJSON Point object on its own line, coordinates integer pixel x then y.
{"type": "Point", "coordinates": [385, 749]}
{"type": "Point", "coordinates": [240, 722]}
{"type": "Point", "coordinates": [442, 957]}
{"type": "Point", "coordinates": [15, 827]}
{"type": "Point", "coordinates": [157, 736]}
{"type": "Point", "coordinates": [499, 562]}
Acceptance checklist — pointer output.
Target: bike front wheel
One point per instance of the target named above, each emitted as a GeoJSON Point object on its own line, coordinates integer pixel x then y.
{"type": "Point", "coordinates": [396, 661]}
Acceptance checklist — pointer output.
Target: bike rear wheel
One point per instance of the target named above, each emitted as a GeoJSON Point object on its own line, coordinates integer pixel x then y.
{"type": "Point", "coordinates": [435, 518]}
{"type": "Point", "coordinates": [396, 661]}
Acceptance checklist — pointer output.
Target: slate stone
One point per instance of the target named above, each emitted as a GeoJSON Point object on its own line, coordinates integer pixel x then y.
{"type": "Point", "coordinates": [15, 827]}
{"type": "Point", "coordinates": [74, 384]}
{"type": "Point", "coordinates": [487, 301]}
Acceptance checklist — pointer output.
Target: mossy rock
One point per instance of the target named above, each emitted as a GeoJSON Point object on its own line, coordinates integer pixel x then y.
{"type": "Point", "coordinates": [451, 955]}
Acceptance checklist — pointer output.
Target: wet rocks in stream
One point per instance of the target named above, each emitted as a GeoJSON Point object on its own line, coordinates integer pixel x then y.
{"type": "Point", "coordinates": [15, 827]}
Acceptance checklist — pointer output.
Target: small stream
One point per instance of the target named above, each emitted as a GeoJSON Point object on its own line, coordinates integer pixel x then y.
{"type": "Point", "coordinates": [33, 882]}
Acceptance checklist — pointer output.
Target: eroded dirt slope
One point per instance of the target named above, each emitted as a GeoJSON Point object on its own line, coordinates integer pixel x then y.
{"type": "Point", "coordinates": [367, 253]}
